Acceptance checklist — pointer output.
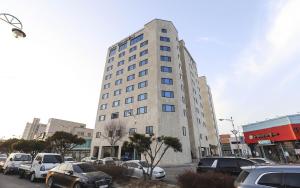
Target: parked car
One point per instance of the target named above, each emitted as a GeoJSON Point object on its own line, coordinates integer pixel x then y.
{"type": "Point", "coordinates": [89, 159]}
{"type": "Point", "coordinates": [262, 160]}
{"type": "Point", "coordinates": [137, 169]}
{"type": "Point", "coordinates": [40, 166]}
{"type": "Point", "coordinates": [227, 165]}
{"type": "Point", "coordinates": [14, 161]}
{"type": "Point", "coordinates": [69, 160]}
{"type": "Point", "coordinates": [109, 161]}
{"type": "Point", "coordinates": [77, 175]}
{"type": "Point", "coordinates": [2, 162]}
{"type": "Point", "coordinates": [282, 176]}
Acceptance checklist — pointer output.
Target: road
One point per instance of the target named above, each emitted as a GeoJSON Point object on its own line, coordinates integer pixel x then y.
{"type": "Point", "coordinates": [12, 181]}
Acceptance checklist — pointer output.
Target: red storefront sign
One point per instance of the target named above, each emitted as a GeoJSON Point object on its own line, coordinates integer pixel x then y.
{"type": "Point", "coordinates": [278, 133]}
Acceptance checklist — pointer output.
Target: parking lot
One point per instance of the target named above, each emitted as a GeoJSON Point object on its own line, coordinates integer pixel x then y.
{"type": "Point", "coordinates": [13, 181]}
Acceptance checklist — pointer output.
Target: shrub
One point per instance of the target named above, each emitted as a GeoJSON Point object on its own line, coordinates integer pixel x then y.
{"type": "Point", "coordinates": [116, 172]}
{"type": "Point", "coordinates": [205, 180]}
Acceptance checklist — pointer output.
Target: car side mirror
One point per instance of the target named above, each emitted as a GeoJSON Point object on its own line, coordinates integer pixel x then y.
{"type": "Point", "coordinates": [70, 172]}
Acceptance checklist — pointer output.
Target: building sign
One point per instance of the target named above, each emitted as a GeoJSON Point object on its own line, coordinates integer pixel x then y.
{"type": "Point", "coordinates": [264, 142]}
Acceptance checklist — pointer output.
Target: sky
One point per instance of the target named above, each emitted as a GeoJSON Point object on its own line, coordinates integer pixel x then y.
{"type": "Point", "coordinates": [248, 50]}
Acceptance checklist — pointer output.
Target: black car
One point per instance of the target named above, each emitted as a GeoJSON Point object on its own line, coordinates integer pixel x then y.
{"type": "Point", "coordinates": [77, 175]}
{"type": "Point", "coordinates": [227, 165]}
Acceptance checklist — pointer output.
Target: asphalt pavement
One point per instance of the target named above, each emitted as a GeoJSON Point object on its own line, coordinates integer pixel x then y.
{"type": "Point", "coordinates": [13, 181]}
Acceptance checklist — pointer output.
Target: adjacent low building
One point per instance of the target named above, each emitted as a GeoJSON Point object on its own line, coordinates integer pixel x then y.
{"type": "Point", "coordinates": [232, 147]}
{"type": "Point", "coordinates": [277, 139]}
{"type": "Point", "coordinates": [34, 129]}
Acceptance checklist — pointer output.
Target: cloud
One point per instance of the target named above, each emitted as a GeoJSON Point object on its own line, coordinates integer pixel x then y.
{"type": "Point", "coordinates": [210, 40]}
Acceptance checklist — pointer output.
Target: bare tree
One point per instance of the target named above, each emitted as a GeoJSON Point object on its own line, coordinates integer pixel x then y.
{"type": "Point", "coordinates": [113, 132]}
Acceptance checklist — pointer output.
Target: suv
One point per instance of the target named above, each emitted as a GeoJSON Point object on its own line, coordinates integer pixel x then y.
{"type": "Point", "coordinates": [227, 165]}
{"type": "Point", "coordinates": [14, 160]}
{"type": "Point", "coordinates": [281, 176]}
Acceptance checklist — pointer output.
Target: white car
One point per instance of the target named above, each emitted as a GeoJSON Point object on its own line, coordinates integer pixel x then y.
{"type": "Point", "coordinates": [42, 163]}
{"type": "Point", "coordinates": [69, 160]}
{"type": "Point", "coordinates": [262, 160]}
{"type": "Point", "coordinates": [2, 162]}
{"type": "Point", "coordinates": [137, 169]}
{"type": "Point", "coordinates": [89, 159]}
{"type": "Point", "coordinates": [14, 161]}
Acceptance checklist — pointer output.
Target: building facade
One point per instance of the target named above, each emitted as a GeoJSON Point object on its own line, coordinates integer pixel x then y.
{"type": "Point", "coordinates": [209, 116]}
{"type": "Point", "coordinates": [150, 84]}
{"type": "Point", "coordinates": [277, 139]}
{"type": "Point", "coordinates": [33, 130]}
{"type": "Point", "coordinates": [232, 147]}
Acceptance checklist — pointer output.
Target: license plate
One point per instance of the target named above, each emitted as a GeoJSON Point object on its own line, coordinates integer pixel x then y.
{"type": "Point", "coordinates": [103, 186]}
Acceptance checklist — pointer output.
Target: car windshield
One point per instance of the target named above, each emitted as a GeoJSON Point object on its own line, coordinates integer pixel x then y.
{"type": "Point", "coordinates": [52, 159]}
{"type": "Point", "coordinates": [84, 168]}
{"type": "Point", "coordinates": [22, 157]}
{"type": "Point", "coordinates": [69, 159]}
{"type": "Point", "coordinates": [144, 164]}
{"type": "Point", "coordinates": [93, 158]}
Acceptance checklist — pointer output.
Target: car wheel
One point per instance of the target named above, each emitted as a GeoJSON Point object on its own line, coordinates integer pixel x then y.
{"type": "Point", "coordinates": [77, 185]}
{"type": "Point", "coordinates": [50, 182]}
{"type": "Point", "coordinates": [32, 177]}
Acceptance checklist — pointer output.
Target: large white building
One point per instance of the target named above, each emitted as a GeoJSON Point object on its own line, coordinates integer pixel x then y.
{"type": "Point", "coordinates": [150, 84]}
{"type": "Point", "coordinates": [34, 129]}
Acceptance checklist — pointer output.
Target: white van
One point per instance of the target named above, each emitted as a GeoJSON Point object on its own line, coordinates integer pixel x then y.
{"type": "Point", "coordinates": [14, 160]}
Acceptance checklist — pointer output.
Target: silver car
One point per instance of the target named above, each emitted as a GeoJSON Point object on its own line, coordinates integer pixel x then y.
{"type": "Point", "coordinates": [281, 176]}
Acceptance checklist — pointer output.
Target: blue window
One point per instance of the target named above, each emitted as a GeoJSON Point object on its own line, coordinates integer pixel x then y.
{"type": "Point", "coordinates": [149, 130]}
{"type": "Point", "coordinates": [165, 58]}
{"type": "Point", "coordinates": [143, 73]}
{"type": "Point", "coordinates": [128, 100]}
{"type": "Point", "coordinates": [132, 49]}
{"type": "Point", "coordinates": [164, 30]}
{"type": "Point", "coordinates": [143, 84]}
{"type": "Point", "coordinates": [130, 88]}
{"type": "Point", "coordinates": [116, 103]}
{"type": "Point", "coordinates": [110, 60]}
{"type": "Point", "coordinates": [121, 63]}
{"type": "Point", "coordinates": [168, 108]}
{"type": "Point", "coordinates": [166, 69]}
{"type": "Point", "coordinates": [130, 77]}
{"type": "Point", "coordinates": [132, 58]}
{"type": "Point", "coordinates": [117, 92]}
{"type": "Point", "coordinates": [165, 48]}
{"type": "Point", "coordinates": [112, 51]}
{"type": "Point", "coordinates": [103, 106]}
{"type": "Point", "coordinates": [144, 43]}
{"type": "Point", "coordinates": [108, 77]}
{"type": "Point", "coordinates": [128, 113]}
{"type": "Point", "coordinates": [136, 39]}
{"type": "Point", "coordinates": [144, 52]}
{"type": "Point", "coordinates": [144, 62]}
{"type": "Point", "coordinates": [121, 54]}
{"type": "Point", "coordinates": [167, 94]}
{"type": "Point", "coordinates": [122, 46]}
{"type": "Point", "coordinates": [167, 81]}
{"type": "Point", "coordinates": [106, 86]}
{"type": "Point", "coordinates": [105, 96]}
{"type": "Point", "coordinates": [118, 82]}
{"type": "Point", "coordinates": [119, 72]}
{"type": "Point", "coordinates": [102, 118]}
{"type": "Point", "coordinates": [142, 97]}
{"type": "Point", "coordinates": [166, 39]}
{"type": "Point", "coordinates": [131, 67]}
{"type": "Point", "coordinates": [109, 68]}
{"type": "Point", "coordinates": [142, 110]}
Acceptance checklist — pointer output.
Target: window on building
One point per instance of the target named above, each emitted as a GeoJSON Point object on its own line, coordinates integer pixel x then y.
{"type": "Point", "coordinates": [165, 48]}
{"type": "Point", "coordinates": [165, 39]}
{"type": "Point", "coordinates": [143, 73]}
{"type": "Point", "coordinates": [122, 46]}
{"type": "Point", "coordinates": [168, 108]}
{"type": "Point", "coordinates": [142, 96]}
{"type": "Point", "coordinates": [184, 112]}
{"type": "Point", "coordinates": [183, 131]}
{"type": "Point", "coordinates": [206, 138]}
{"type": "Point", "coordinates": [108, 77]}
{"type": "Point", "coordinates": [201, 136]}
{"type": "Point", "coordinates": [132, 131]}
{"type": "Point", "coordinates": [144, 52]}
{"type": "Point", "coordinates": [136, 39]}
{"type": "Point", "coordinates": [128, 113]}
{"type": "Point", "coordinates": [167, 81]}
{"type": "Point", "coordinates": [98, 134]}
{"type": "Point", "coordinates": [132, 49]}
{"type": "Point", "coordinates": [112, 51]}
{"type": "Point", "coordinates": [144, 62]}
{"type": "Point", "coordinates": [121, 63]}
{"type": "Point", "coordinates": [117, 92]}
{"type": "Point", "coordinates": [105, 96]}
{"type": "Point", "coordinates": [164, 30]}
{"type": "Point", "coordinates": [130, 77]}
{"type": "Point", "coordinates": [166, 69]}
{"type": "Point", "coordinates": [122, 54]}
{"type": "Point", "coordinates": [132, 58]}
{"type": "Point", "coordinates": [109, 68]}
{"type": "Point", "coordinates": [103, 106]}
{"type": "Point", "coordinates": [142, 84]}
{"type": "Point", "coordinates": [165, 58]}
{"type": "Point", "coordinates": [106, 86]}
{"type": "Point", "coordinates": [144, 43]}
{"type": "Point", "coordinates": [118, 82]}
{"type": "Point", "coordinates": [89, 134]}
{"type": "Point", "coordinates": [102, 118]}
{"type": "Point", "coordinates": [116, 103]}
{"type": "Point", "coordinates": [119, 72]}
{"type": "Point", "coordinates": [149, 130]}
{"type": "Point", "coordinates": [167, 94]}
{"type": "Point", "coordinates": [130, 88]}
{"type": "Point", "coordinates": [110, 60]}
{"type": "Point", "coordinates": [142, 110]}
{"type": "Point", "coordinates": [128, 100]}
{"type": "Point", "coordinates": [131, 67]}
{"type": "Point", "coordinates": [115, 115]}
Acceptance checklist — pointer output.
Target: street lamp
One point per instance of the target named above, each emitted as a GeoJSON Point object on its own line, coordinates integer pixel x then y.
{"type": "Point", "coordinates": [15, 22]}
{"type": "Point", "coordinates": [235, 132]}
